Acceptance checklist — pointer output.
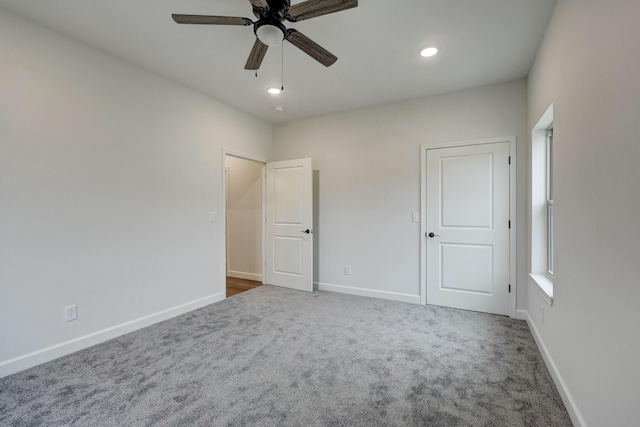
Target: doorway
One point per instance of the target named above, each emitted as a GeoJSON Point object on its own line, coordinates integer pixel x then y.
{"type": "Point", "coordinates": [269, 222]}
{"type": "Point", "coordinates": [244, 185]}
{"type": "Point", "coordinates": [468, 226]}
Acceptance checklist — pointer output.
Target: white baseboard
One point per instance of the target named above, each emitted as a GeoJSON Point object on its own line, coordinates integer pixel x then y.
{"type": "Point", "coordinates": [567, 398]}
{"type": "Point", "coordinates": [245, 276]}
{"type": "Point", "coordinates": [26, 361]}
{"type": "Point", "coordinates": [393, 296]}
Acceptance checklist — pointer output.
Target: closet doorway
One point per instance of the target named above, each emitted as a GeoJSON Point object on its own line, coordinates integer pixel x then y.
{"type": "Point", "coordinates": [244, 185]}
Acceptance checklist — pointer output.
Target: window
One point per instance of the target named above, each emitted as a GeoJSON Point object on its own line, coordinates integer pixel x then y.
{"type": "Point", "coordinates": [549, 179]}
{"type": "Point", "coordinates": [542, 250]}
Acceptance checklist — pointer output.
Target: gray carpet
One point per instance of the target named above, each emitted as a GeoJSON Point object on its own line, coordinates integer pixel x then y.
{"type": "Point", "coordinates": [276, 357]}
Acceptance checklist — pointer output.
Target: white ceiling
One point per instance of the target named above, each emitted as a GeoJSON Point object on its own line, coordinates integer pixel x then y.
{"type": "Point", "coordinates": [481, 41]}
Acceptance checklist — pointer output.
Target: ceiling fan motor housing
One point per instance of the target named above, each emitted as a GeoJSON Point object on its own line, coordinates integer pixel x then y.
{"type": "Point", "coordinates": [277, 9]}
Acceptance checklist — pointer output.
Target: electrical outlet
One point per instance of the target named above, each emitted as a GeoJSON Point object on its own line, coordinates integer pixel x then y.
{"type": "Point", "coordinates": [347, 270]}
{"type": "Point", "coordinates": [213, 216]}
{"type": "Point", "coordinates": [70, 313]}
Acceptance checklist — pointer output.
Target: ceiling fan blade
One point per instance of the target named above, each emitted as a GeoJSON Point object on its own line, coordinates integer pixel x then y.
{"type": "Point", "coordinates": [256, 56]}
{"type": "Point", "coordinates": [311, 48]}
{"type": "Point", "coordinates": [312, 8]}
{"type": "Point", "coordinates": [261, 4]}
{"type": "Point", "coordinates": [210, 20]}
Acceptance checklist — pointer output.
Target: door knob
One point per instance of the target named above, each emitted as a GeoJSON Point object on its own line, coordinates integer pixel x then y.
{"type": "Point", "coordinates": [307, 231]}
{"type": "Point", "coordinates": [432, 235]}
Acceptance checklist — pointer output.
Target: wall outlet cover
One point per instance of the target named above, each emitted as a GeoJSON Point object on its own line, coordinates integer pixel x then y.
{"type": "Point", "coordinates": [70, 313]}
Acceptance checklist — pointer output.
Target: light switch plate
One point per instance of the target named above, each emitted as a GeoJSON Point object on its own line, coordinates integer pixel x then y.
{"type": "Point", "coordinates": [416, 217]}
{"type": "Point", "coordinates": [213, 216]}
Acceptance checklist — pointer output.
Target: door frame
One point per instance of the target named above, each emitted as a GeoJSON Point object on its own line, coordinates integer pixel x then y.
{"type": "Point", "coordinates": [227, 152]}
{"type": "Point", "coordinates": [512, 213]}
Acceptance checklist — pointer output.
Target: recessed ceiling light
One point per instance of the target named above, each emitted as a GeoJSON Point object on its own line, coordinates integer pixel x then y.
{"type": "Point", "coordinates": [279, 108]}
{"type": "Point", "coordinates": [274, 90]}
{"type": "Point", "coordinates": [428, 51]}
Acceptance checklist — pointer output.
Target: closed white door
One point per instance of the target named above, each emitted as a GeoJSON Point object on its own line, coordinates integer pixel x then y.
{"type": "Point", "coordinates": [467, 226]}
{"type": "Point", "coordinates": [289, 232]}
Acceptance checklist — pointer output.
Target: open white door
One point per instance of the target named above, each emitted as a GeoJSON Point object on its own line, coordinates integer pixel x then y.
{"type": "Point", "coordinates": [468, 227]}
{"type": "Point", "coordinates": [289, 234]}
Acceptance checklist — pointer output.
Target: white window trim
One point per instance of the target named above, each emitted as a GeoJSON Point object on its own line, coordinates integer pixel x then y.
{"type": "Point", "coordinates": [550, 238]}
{"type": "Point", "coordinates": [544, 284]}
{"type": "Point", "coordinates": [539, 275]}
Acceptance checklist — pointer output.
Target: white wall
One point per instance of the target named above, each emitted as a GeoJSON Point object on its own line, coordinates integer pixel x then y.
{"type": "Point", "coordinates": [244, 218]}
{"type": "Point", "coordinates": [368, 180]}
{"type": "Point", "coordinates": [107, 177]}
{"type": "Point", "coordinates": [588, 67]}
{"type": "Point", "coordinates": [108, 174]}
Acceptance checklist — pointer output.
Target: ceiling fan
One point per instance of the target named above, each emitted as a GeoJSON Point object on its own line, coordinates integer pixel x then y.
{"type": "Point", "coordinates": [270, 30]}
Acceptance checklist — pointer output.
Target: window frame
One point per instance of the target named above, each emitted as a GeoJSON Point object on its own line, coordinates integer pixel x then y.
{"type": "Point", "coordinates": [549, 181]}
{"type": "Point", "coordinates": [541, 207]}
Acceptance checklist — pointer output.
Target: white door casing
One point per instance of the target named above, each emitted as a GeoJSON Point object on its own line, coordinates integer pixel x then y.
{"type": "Point", "coordinates": [289, 222]}
{"type": "Point", "coordinates": [468, 259]}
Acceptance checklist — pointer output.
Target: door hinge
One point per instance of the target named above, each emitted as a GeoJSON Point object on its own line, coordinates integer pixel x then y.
{"type": "Point", "coordinates": [509, 159]}
{"type": "Point", "coordinates": [509, 224]}
{"type": "Point", "coordinates": [509, 288]}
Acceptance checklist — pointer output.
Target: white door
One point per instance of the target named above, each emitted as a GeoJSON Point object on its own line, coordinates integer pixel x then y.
{"type": "Point", "coordinates": [289, 233]}
{"type": "Point", "coordinates": [467, 227]}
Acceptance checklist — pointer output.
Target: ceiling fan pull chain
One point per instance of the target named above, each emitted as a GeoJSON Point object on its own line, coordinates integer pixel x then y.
{"type": "Point", "coordinates": [282, 88]}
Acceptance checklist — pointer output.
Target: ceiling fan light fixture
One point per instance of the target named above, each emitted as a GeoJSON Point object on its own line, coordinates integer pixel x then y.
{"type": "Point", "coordinates": [429, 51]}
{"type": "Point", "coordinates": [270, 30]}
{"type": "Point", "coordinates": [274, 90]}
{"type": "Point", "coordinates": [269, 34]}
